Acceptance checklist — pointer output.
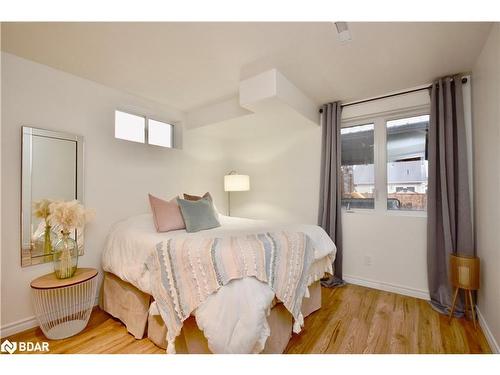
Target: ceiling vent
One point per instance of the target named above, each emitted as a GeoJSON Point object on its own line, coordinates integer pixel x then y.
{"type": "Point", "coordinates": [343, 31]}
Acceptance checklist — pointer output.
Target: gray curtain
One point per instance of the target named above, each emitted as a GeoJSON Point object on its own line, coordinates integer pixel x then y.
{"type": "Point", "coordinates": [330, 195]}
{"type": "Point", "coordinates": [449, 226]}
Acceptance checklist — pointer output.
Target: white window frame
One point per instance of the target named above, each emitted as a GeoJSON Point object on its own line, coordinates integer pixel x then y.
{"type": "Point", "coordinates": [379, 121]}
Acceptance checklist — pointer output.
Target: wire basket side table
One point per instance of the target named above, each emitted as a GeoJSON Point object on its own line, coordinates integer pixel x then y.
{"type": "Point", "coordinates": [63, 306]}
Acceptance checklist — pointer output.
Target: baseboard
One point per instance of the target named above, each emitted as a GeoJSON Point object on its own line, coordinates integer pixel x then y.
{"type": "Point", "coordinates": [387, 287]}
{"type": "Point", "coordinates": [495, 348]}
{"type": "Point", "coordinates": [24, 324]}
{"type": "Point", "coordinates": [19, 326]}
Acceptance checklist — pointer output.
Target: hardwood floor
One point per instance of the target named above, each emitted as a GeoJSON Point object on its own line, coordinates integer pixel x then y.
{"type": "Point", "coordinates": [353, 319]}
{"type": "Point", "coordinates": [356, 319]}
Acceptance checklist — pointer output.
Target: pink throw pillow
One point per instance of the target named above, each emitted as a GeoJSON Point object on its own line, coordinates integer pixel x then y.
{"type": "Point", "coordinates": [166, 214]}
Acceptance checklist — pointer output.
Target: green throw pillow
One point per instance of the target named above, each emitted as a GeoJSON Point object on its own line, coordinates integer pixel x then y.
{"type": "Point", "coordinates": [198, 215]}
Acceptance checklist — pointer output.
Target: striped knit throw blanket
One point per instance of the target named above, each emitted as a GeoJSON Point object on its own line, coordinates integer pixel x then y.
{"type": "Point", "coordinates": [185, 271]}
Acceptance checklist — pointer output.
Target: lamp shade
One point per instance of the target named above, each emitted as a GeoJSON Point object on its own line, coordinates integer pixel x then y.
{"type": "Point", "coordinates": [236, 182]}
{"type": "Point", "coordinates": [464, 272]}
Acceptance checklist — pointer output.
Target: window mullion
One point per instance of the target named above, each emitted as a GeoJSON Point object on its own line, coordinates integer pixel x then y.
{"type": "Point", "coordinates": [380, 165]}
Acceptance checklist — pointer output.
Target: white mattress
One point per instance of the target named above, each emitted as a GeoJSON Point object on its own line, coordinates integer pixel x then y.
{"type": "Point", "coordinates": [132, 241]}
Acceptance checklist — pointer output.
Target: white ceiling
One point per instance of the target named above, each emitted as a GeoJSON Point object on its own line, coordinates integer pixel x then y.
{"type": "Point", "coordinates": [187, 65]}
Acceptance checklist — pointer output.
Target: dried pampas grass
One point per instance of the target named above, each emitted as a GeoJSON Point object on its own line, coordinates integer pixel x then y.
{"type": "Point", "coordinates": [69, 215]}
{"type": "Point", "coordinates": [41, 209]}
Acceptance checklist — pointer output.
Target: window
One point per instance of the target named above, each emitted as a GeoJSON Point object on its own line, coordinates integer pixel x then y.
{"type": "Point", "coordinates": [407, 165]}
{"type": "Point", "coordinates": [130, 127]}
{"type": "Point", "coordinates": [384, 163]}
{"type": "Point", "coordinates": [357, 167]}
{"type": "Point", "coordinates": [135, 128]}
{"type": "Point", "coordinates": [160, 133]}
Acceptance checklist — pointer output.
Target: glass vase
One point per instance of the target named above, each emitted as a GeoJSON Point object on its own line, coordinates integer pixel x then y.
{"type": "Point", "coordinates": [44, 244]}
{"type": "Point", "coordinates": [65, 257]}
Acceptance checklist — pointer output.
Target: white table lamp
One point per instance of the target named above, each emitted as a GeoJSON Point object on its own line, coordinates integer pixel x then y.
{"type": "Point", "coordinates": [235, 182]}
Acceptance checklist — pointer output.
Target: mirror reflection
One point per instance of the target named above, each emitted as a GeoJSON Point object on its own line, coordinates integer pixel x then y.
{"type": "Point", "coordinates": [52, 171]}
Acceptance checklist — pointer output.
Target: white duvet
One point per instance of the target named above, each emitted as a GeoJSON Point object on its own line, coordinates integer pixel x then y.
{"type": "Point", "coordinates": [233, 319]}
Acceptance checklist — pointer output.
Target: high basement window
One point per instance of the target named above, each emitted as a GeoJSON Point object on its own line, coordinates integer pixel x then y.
{"type": "Point", "coordinates": [130, 127]}
{"type": "Point", "coordinates": [160, 133]}
{"type": "Point", "coordinates": [137, 128]}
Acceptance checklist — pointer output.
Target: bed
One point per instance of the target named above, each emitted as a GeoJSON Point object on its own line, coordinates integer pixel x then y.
{"type": "Point", "coordinates": [127, 291]}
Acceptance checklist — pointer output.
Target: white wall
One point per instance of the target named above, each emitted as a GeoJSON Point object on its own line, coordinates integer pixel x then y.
{"type": "Point", "coordinates": [386, 249]}
{"type": "Point", "coordinates": [486, 112]}
{"type": "Point", "coordinates": [118, 174]}
{"type": "Point", "coordinates": [280, 152]}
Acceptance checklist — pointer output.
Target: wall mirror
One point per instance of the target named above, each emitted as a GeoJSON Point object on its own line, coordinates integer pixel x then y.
{"type": "Point", "coordinates": [52, 168]}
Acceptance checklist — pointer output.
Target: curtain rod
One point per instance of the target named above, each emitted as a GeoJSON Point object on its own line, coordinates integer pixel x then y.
{"type": "Point", "coordinates": [464, 80]}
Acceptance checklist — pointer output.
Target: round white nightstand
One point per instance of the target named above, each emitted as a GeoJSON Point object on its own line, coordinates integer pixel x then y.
{"type": "Point", "coordinates": [63, 306]}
